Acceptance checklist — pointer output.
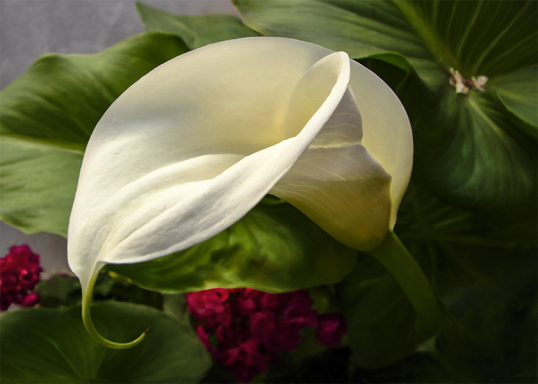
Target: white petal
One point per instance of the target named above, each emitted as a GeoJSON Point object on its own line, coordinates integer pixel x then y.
{"type": "Point", "coordinates": [386, 130]}
{"type": "Point", "coordinates": [336, 182]}
{"type": "Point", "coordinates": [192, 147]}
{"type": "Point", "coordinates": [353, 207]}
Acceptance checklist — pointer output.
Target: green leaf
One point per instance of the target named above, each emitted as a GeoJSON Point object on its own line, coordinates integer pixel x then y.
{"type": "Point", "coordinates": [458, 249]}
{"type": "Point", "coordinates": [495, 340]}
{"type": "Point", "coordinates": [47, 116]}
{"type": "Point", "coordinates": [470, 153]}
{"type": "Point", "coordinates": [196, 31]}
{"type": "Point", "coordinates": [273, 248]}
{"type": "Point", "coordinates": [383, 326]}
{"type": "Point", "coordinates": [485, 272]}
{"type": "Point", "coordinates": [37, 185]}
{"type": "Point", "coordinates": [519, 93]}
{"type": "Point", "coordinates": [175, 305]}
{"type": "Point", "coordinates": [366, 28]}
{"type": "Point", "coordinates": [468, 149]}
{"type": "Point", "coordinates": [488, 38]}
{"type": "Point", "coordinates": [65, 291]}
{"type": "Point", "coordinates": [51, 346]}
{"type": "Point", "coordinates": [59, 290]}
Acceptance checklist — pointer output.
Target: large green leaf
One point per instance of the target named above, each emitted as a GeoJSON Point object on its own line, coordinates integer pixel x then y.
{"type": "Point", "coordinates": [273, 248]}
{"type": "Point", "coordinates": [474, 37]}
{"type": "Point", "coordinates": [47, 116]}
{"type": "Point", "coordinates": [471, 153]}
{"type": "Point", "coordinates": [456, 248]}
{"type": "Point", "coordinates": [488, 38]}
{"type": "Point", "coordinates": [519, 93]}
{"type": "Point", "coordinates": [467, 147]}
{"type": "Point", "coordinates": [196, 31]}
{"type": "Point", "coordinates": [52, 346]}
{"type": "Point", "coordinates": [366, 28]}
{"type": "Point", "coordinates": [37, 185]}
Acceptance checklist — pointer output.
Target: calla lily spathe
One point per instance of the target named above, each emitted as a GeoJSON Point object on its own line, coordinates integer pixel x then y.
{"type": "Point", "coordinates": [195, 144]}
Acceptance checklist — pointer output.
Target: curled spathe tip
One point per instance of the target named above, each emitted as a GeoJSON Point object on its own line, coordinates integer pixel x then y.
{"type": "Point", "coordinates": [87, 296]}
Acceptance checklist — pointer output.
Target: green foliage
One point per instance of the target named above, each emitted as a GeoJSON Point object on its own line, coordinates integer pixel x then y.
{"type": "Point", "coordinates": [37, 184]}
{"type": "Point", "coordinates": [59, 291]}
{"type": "Point", "coordinates": [383, 326]}
{"type": "Point", "coordinates": [519, 93]}
{"type": "Point", "coordinates": [65, 291]}
{"type": "Point", "coordinates": [196, 31]}
{"type": "Point", "coordinates": [366, 28]}
{"type": "Point", "coordinates": [52, 346]}
{"type": "Point", "coordinates": [469, 152]}
{"type": "Point", "coordinates": [458, 250]}
{"type": "Point", "coordinates": [273, 248]}
{"type": "Point", "coordinates": [47, 116]}
{"type": "Point", "coordinates": [492, 340]}
{"type": "Point", "coordinates": [488, 38]}
{"type": "Point", "coordinates": [495, 338]}
{"type": "Point", "coordinates": [468, 148]}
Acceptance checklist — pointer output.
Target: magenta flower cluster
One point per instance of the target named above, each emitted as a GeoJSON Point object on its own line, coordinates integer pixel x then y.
{"type": "Point", "coordinates": [19, 274]}
{"type": "Point", "coordinates": [245, 330]}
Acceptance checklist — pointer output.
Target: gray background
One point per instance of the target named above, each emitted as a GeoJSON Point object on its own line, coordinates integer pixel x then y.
{"type": "Point", "coordinates": [30, 28]}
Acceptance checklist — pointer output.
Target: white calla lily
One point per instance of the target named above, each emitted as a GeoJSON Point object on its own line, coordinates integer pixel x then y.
{"type": "Point", "coordinates": [195, 144]}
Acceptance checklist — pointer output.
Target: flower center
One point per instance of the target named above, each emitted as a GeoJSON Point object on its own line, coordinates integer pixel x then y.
{"type": "Point", "coordinates": [464, 85]}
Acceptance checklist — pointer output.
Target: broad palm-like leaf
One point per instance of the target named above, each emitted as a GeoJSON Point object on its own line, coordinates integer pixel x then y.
{"type": "Point", "coordinates": [468, 147]}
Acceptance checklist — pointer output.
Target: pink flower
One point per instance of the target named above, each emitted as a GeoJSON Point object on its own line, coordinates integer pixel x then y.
{"type": "Point", "coordinates": [209, 306]}
{"type": "Point", "coordinates": [232, 335]}
{"type": "Point", "coordinates": [298, 299]}
{"type": "Point", "coordinates": [332, 327]}
{"type": "Point", "coordinates": [204, 337]}
{"type": "Point", "coordinates": [271, 302]}
{"type": "Point", "coordinates": [253, 327]}
{"type": "Point", "coordinates": [250, 293]}
{"type": "Point", "coordinates": [245, 360]}
{"type": "Point", "coordinates": [30, 300]}
{"type": "Point", "coordinates": [264, 325]}
{"type": "Point", "coordinates": [246, 306]}
{"type": "Point", "coordinates": [285, 339]}
{"type": "Point", "coordinates": [19, 274]}
{"type": "Point", "coordinates": [298, 311]}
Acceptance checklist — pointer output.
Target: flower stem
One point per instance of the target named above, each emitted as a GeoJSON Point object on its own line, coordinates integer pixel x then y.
{"type": "Point", "coordinates": [393, 255]}
{"type": "Point", "coordinates": [87, 296]}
